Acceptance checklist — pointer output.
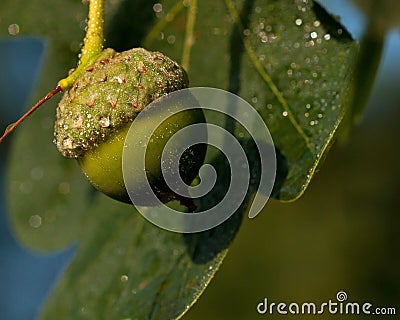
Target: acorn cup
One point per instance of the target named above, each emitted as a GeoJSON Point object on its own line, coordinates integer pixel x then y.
{"type": "Point", "coordinates": [95, 114]}
{"type": "Point", "coordinates": [102, 97]}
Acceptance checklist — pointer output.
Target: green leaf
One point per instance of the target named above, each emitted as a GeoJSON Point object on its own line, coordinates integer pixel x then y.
{"type": "Point", "coordinates": [290, 59]}
{"type": "Point", "coordinates": [128, 268]}
{"type": "Point", "coordinates": [299, 82]}
{"type": "Point", "coordinates": [265, 51]}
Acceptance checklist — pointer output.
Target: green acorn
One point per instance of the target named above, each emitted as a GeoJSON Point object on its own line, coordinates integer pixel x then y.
{"type": "Point", "coordinates": [102, 97]}
{"type": "Point", "coordinates": [109, 94]}
{"type": "Point", "coordinates": [94, 116]}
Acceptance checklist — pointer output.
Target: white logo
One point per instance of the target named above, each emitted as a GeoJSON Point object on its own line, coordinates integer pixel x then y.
{"type": "Point", "coordinates": [341, 296]}
{"type": "Point", "coordinates": [219, 101]}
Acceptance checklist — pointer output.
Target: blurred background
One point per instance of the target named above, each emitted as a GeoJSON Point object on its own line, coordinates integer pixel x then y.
{"type": "Point", "coordinates": [342, 235]}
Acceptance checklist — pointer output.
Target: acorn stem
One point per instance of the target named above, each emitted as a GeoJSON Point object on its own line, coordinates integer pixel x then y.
{"type": "Point", "coordinates": [365, 73]}
{"type": "Point", "coordinates": [189, 37]}
{"type": "Point", "coordinates": [371, 50]}
{"type": "Point", "coordinates": [11, 127]}
{"type": "Point", "coordinates": [92, 44]}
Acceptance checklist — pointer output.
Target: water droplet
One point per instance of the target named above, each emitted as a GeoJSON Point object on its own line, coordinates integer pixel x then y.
{"type": "Point", "coordinates": [68, 143]}
{"type": "Point", "coordinates": [13, 29]}
{"type": "Point", "coordinates": [35, 221]}
{"type": "Point", "coordinates": [64, 188]}
{"type": "Point", "coordinates": [171, 39]}
{"type": "Point", "coordinates": [104, 122]}
{"type": "Point", "coordinates": [77, 123]}
{"type": "Point", "coordinates": [313, 35]}
{"type": "Point", "coordinates": [264, 37]}
{"type": "Point", "coordinates": [285, 113]}
{"type": "Point", "coordinates": [37, 173]}
{"type": "Point", "coordinates": [327, 37]}
{"type": "Point", "coordinates": [124, 278]}
{"type": "Point", "coordinates": [299, 22]}
{"type": "Point", "coordinates": [9, 127]}
{"type": "Point", "coordinates": [157, 7]}
{"type": "Point", "coordinates": [216, 31]}
{"type": "Point", "coordinates": [310, 44]}
{"type": "Point", "coordinates": [26, 187]}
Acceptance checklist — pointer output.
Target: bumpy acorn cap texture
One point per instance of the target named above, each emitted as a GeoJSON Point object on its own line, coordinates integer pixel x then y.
{"type": "Point", "coordinates": [109, 95]}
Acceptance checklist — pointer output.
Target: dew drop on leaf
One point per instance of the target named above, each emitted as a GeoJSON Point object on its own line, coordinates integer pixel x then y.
{"type": "Point", "coordinates": [26, 187]}
{"type": "Point", "coordinates": [64, 188]}
{"type": "Point", "coordinates": [37, 173]}
{"type": "Point", "coordinates": [35, 221]}
{"type": "Point", "coordinates": [157, 7]}
{"type": "Point", "coordinates": [171, 39]}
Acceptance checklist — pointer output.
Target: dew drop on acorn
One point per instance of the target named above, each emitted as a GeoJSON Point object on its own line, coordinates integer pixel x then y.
{"type": "Point", "coordinates": [13, 29]}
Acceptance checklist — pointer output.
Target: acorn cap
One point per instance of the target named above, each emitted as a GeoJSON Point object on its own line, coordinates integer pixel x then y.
{"type": "Point", "coordinates": [109, 94]}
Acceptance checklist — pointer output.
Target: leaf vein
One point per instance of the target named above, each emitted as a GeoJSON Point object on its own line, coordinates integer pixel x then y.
{"type": "Point", "coordinates": [266, 77]}
{"type": "Point", "coordinates": [189, 36]}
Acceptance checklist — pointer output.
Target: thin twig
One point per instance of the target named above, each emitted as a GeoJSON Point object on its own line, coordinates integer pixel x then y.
{"type": "Point", "coordinates": [11, 127]}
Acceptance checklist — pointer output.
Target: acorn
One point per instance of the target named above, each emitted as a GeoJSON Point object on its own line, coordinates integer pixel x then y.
{"type": "Point", "coordinates": [95, 114]}
{"type": "Point", "coordinates": [102, 97]}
